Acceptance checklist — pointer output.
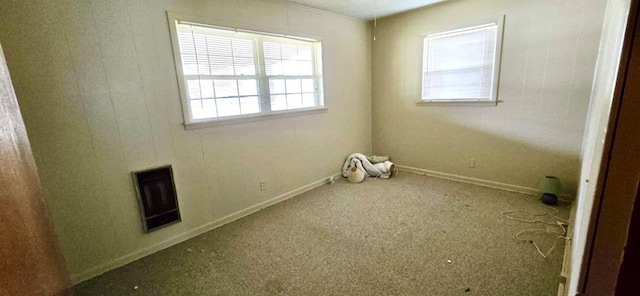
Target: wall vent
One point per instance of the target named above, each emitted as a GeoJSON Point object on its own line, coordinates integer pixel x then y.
{"type": "Point", "coordinates": [157, 197]}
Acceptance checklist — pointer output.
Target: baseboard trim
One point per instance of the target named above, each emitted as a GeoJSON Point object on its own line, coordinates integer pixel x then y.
{"type": "Point", "coordinates": [470, 180]}
{"type": "Point", "coordinates": [119, 262]}
{"type": "Point", "coordinates": [565, 272]}
{"type": "Point", "coordinates": [486, 183]}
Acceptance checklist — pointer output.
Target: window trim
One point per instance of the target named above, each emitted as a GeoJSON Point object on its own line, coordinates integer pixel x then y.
{"type": "Point", "coordinates": [245, 118]}
{"type": "Point", "coordinates": [494, 100]}
{"type": "Point", "coordinates": [265, 113]}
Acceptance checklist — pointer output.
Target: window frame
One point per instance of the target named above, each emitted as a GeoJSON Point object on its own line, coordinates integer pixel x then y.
{"type": "Point", "coordinates": [493, 100]}
{"type": "Point", "coordinates": [261, 76]}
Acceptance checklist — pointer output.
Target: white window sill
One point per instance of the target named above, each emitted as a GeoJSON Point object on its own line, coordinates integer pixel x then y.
{"type": "Point", "coordinates": [252, 117]}
{"type": "Point", "coordinates": [457, 103]}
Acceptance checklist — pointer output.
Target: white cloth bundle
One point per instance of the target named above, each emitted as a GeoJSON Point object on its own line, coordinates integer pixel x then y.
{"type": "Point", "coordinates": [359, 160]}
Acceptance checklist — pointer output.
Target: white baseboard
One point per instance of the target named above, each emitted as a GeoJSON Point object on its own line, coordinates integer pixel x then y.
{"type": "Point", "coordinates": [481, 182]}
{"type": "Point", "coordinates": [98, 270]}
{"type": "Point", "coordinates": [485, 183]}
{"type": "Point", "coordinates": [565, 272]}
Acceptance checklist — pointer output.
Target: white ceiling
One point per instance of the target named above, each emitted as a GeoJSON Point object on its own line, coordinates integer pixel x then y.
{"type": "Point", "coordinates": [365, 9]}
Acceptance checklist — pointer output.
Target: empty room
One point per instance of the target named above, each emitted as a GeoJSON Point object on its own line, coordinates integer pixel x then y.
{"type": "Point", "coordinates": [309, 147]}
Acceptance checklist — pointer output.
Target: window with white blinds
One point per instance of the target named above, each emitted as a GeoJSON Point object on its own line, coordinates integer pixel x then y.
{"type": "Point", "coordinates": [289, 68]}
{"type": "Point", "coordinates": [230, 72]}
{"type": "Point", "coordinates": [462, 65]}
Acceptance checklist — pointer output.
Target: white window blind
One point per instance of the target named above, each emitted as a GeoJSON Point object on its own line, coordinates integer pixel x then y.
{"type": "Point", "coordinates": [460, 65]}
{"type": "Point", "coordinates": [219, 71]}
{"type": "Point", "coordinates": [228, 73]}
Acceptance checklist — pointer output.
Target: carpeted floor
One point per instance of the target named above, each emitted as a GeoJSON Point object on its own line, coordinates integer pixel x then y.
{"type": "Point", "coordinates": [409, 235]}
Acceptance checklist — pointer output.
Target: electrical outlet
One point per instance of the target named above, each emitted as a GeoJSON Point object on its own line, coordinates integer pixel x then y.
{"type": "Point", "coordinates": [472, 163]}
{"type": "Point", "coordinates": [263, 186]}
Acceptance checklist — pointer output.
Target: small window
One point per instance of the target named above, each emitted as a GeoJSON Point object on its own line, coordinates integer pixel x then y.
{"type": "Point", "coordinates": [231, 73]}
{"type": "Point", "coordinates": [462, 65]}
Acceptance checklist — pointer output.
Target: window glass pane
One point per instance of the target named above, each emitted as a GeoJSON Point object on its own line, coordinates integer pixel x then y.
{"type": "Point", "coordinates": [457, 52]}
{"type": "Point", "coordinates": [293, 86]}
{"type": "Point", "coordinates": [290, 68]}
{"type": "Point", "coordinates": [244, 66]}
{"type": "Point", "coordinates": [193, 88]}
{"type": "Point", "coordinates": [288, 59]}
{"type": "Point", "coordinates": [242, 48]}
{"type": "Point", "coordinates": [200, 89]}
{"type": "Point", "coordinates": [248, 87]}
{"type": "Point", "coordinates": [206, 87]}
{"type": "Point", "coordinates": [304, 53]}
{"type": "Point", "coordinates": [305, 68]}
{"type": "Point", "coordinates": [455, 84]}
{"type": "Point", "coordinates": [250, 105]}
{"type": "Point", "coordinates": [188, 54]}
{"type": "Point", "coordinates": [308, 85]}
{"type": "Point", "coordinates": [271, 51]}
{"type": "Point", "coordinates": [201, 109]}
{"type": "Point", "coordinates": [273, 67]}
{"type": "Point", "coordinates": [308, 100]}
{"type": "Point", "coordinates": [294, 101]}
{"type": "Point", "coordinates": [221, 65]}
{"type": "Point", "coordinates": [289, 51]}
{"type": "Point", "coordinates": [204, 53]}
{"type": "Point", "coordinates": [202, 57]}
{"type": "Point", "coordinates": [227, 107]}
{"type": "Point", "coordinates": [276, 86]}
{"type": "Point", "coordinates": [278, 102]}
{"type": "Point", "coordinates": [226, 88]}
{"type": "Point", "coordinates": [219, 46]}
{"type": "Point", "coordinates": [229, 56]}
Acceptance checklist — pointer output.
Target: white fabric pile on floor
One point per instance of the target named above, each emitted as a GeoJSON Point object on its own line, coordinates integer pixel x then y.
{"type": "Point", "coordinates": [372, 166]}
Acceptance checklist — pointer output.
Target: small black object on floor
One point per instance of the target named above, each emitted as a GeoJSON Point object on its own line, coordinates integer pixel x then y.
{"type": "Point", "coordinates": [549, 199]}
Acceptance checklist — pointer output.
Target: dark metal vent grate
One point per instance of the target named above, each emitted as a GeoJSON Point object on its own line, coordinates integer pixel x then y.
{"type": "Point", "coordinates": [157, 197]}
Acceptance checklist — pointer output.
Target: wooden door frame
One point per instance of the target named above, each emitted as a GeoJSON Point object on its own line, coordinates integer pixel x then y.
{"type": "Point", "coordinates": [615, 218]}
{"type": "Point", "coordinates": [30, 259]}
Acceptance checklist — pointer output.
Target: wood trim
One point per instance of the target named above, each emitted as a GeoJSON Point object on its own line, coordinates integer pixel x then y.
{"type": "Point", "coordinates": [565, 272]}
{"type": "Point", "coordinates": [30, 260]}
{"type": "Point", "coordinates": [630, 270]}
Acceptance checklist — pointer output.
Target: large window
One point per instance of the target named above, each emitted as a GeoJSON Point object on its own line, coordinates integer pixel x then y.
{"type": "Point", "coordinates": [462, 65]}
{"type": "Point", "coordinates": [231, 73]}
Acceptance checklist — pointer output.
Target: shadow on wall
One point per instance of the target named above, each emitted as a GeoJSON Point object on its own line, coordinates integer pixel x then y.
{"type": "Point", "coordinates": [441, 142]}
{"type": "Point", "coordinates": [546, 74]}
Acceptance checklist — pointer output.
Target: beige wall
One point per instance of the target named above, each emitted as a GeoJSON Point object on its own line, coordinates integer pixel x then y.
{"type": "Point", "coordinates": [548, 58]}
{"type": "Point", "coordinates": [97, 87]}
{"type": "Point", "coordinates": [601, 98]}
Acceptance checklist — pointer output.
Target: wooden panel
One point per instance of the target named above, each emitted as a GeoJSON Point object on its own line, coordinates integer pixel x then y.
{"type": "Point", "coordinates": [630, 269]}
{"type": "Point", "coordinates": [31, 262]}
